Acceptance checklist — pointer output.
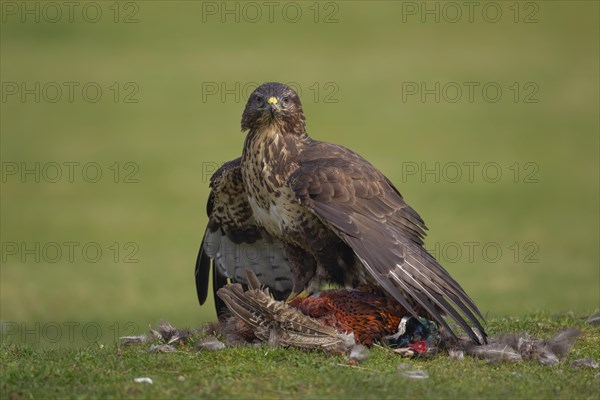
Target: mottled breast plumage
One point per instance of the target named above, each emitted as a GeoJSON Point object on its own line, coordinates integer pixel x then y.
{"type": "Point", "coordinates": [234, 243]}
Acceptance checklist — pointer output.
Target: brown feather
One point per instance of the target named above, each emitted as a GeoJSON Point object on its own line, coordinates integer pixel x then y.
{"type": "Point", "coordinates": [233, 242]}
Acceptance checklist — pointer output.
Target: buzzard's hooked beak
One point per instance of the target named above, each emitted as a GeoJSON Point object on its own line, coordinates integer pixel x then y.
{"type": "Point", "coordinates": [273, 106]}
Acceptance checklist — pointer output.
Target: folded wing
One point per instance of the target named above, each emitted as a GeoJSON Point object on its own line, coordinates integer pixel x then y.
{"type": "Point", "coordinates": [367, 212]}
{"type": "Point", "coordinates": [233, 243]}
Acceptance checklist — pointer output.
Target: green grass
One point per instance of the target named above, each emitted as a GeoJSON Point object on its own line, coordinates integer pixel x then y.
{"type": "Point", "coordinates": [263, 372]}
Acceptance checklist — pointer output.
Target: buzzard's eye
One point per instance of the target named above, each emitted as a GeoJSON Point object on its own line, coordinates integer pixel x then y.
{"type": "Point", "coordinates": [259, 98]}
{"type": "Point", "coordinates": [285, 100]}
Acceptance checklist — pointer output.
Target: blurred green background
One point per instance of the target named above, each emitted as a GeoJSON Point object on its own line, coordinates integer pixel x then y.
{"type": "Point", "coordinates": [185, 65]}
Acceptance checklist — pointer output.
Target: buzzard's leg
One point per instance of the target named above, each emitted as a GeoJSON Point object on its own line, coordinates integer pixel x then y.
{"type": "Point", "coordinates": [340, 266]}
{"type": "Point", "coordinates": [303, 266]}
{"type": "Point", "coordinates": [316, 259]}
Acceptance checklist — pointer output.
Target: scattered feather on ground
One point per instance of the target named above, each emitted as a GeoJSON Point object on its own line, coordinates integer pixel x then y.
{"type": "Point", "coordinates": [594, 319]}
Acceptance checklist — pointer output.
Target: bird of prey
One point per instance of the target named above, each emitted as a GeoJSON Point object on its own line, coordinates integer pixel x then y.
{"type": "Point", "coordinates": [339, 219]}
{"type": "Point", "coordinates": [233, 243]}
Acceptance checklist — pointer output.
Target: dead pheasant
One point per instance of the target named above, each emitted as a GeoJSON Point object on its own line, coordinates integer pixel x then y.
{"type": "Point", "coordinates": [336, 319]}
{"type": "Point", "coordinates": [364, 311]}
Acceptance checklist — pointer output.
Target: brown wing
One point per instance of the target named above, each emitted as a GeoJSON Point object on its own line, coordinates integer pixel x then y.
{"type": "Point", "coordinates": [366, 211]}
{"type": "Point", "coordinates": [204, 263]}
{"type": "Point", "coordinates": [233, 243]}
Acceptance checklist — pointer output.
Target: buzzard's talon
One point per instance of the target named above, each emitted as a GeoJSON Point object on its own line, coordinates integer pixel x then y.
{"type": "Point", "coordinates": [295, 295]}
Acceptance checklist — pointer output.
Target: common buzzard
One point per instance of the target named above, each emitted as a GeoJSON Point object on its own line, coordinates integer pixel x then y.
{"type": "Point", "coordinates": [338, 218]}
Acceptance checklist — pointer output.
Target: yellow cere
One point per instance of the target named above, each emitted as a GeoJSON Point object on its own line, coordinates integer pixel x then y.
{"type": "Point", "coordinates": [272, 100]}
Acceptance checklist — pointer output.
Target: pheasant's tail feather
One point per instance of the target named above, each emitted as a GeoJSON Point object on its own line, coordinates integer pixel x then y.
{"type": "Point", "coordinates": [253, 282]}
{"type": "Point", "coordinates": [278, 323]}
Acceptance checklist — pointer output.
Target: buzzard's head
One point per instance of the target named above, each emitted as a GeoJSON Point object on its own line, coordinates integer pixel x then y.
{"type": "Point", "coordinates": [276, 104]}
